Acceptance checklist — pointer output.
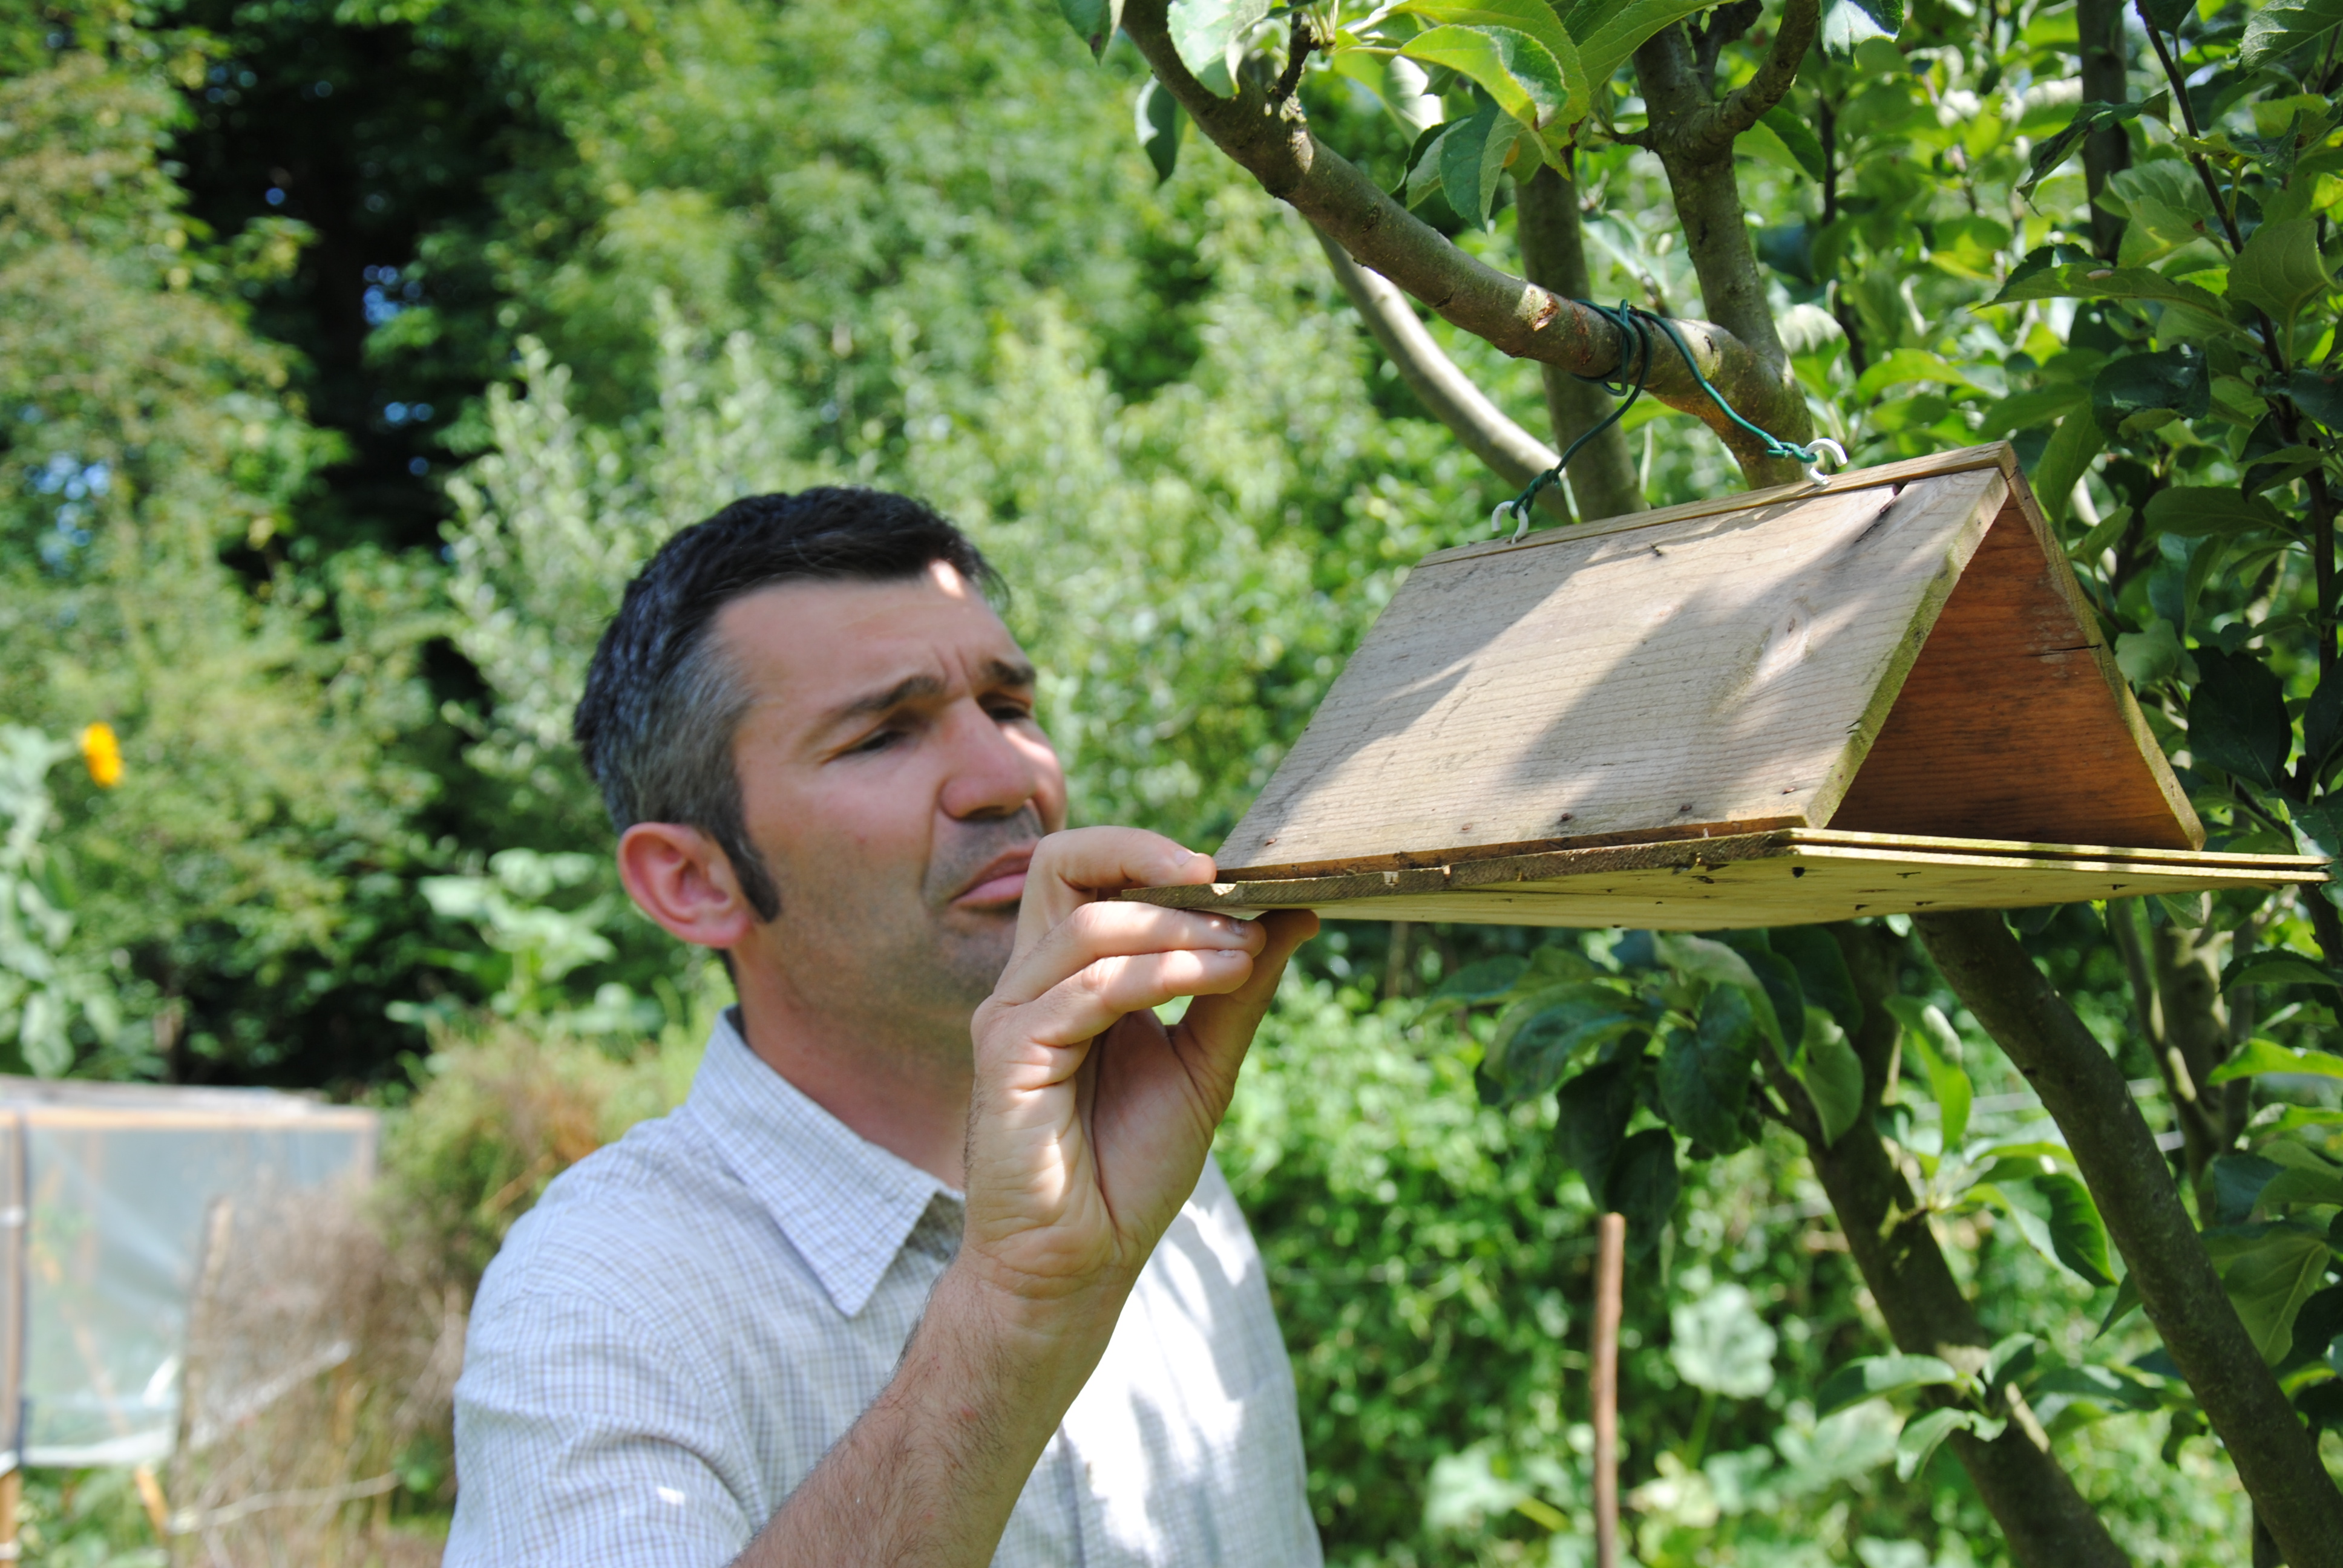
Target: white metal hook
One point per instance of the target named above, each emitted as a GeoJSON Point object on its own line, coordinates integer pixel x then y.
{"type": "Point", "coordinates": [1813, 465]}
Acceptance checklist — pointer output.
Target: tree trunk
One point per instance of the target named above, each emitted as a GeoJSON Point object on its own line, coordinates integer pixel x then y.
{"type": "Point", "coordinates": [2105, 81]}
{"type": "Point", "coordinates": [2046, 1521]}
{"type": "Point", "coordinates": [2085, 1091]}
{"type": "Point", "coordinates": [1602, 476]}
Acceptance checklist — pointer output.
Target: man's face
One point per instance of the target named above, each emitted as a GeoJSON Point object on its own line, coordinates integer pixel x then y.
{"type": "Point", "coordinates": [893, 777]}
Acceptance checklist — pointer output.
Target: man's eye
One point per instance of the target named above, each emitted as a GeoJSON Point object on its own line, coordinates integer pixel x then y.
{"type": "Point", "coordinates": [878, 740]}
{"type": "Point", "coordinates": [1011, 712]}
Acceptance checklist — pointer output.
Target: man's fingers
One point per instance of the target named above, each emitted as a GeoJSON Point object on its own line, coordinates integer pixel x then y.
{"type": "Point", "coordinates": [1224, 1023]}
{"type": "Point", "coordinates": [1088, 1003]}
{"type": "Point", "coordinates": [1104, 931]}
{"type": "Point", "coordinates": [1072, 868]}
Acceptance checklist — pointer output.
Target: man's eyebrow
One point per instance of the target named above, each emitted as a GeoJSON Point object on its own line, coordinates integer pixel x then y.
{"type": "Point", "coordinates": [910, 688]}
{"type": "Point", "coordinates": [1002, 672]}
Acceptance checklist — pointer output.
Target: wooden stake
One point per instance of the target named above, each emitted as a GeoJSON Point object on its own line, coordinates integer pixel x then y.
{"type": "Point", "coordinates": [1610, 1275]}
{"type": "Point", "coordinates": [12, 1487]}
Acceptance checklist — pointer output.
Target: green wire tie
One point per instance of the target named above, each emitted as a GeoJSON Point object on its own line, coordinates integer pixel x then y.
{"type": "Point", "coordinates": [1635, 349]}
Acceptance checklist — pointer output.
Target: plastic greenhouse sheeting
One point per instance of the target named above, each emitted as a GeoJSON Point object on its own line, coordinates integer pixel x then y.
{"type": "Point", "coordinates": [106, 1193]}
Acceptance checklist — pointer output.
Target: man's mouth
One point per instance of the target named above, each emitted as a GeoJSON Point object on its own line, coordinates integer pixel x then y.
{"type": "Point", "coordinates": [1000, 884]}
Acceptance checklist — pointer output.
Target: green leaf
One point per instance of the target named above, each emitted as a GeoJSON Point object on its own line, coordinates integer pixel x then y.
{"type": "Point", "coordinates": [2237, 1181]}
{"type": "Point", "coordinates": [2319, 395]}
{"type": "Point", "coordinates": [1846, 26]}
{"type": "Point", "coordinates": [1424, 162]}
{"type": "Point", "coordinates": [2196, 511]}
{"type": "Point", "coordinates": [2257, 1057]}
{"type": "Point", "coordinates": [1930, 1036]}
{"type": "Point", "coordinates": [1478, 982]}
{"type": "Point", "coordinates": [1719, 1342]}
{"type": "Point", "coordinates": [1539, 1036]}
{"type": "Point", "coordinates": [2099, 1384]}
{"type": "Point", "coordinates": [1473, 158]}
{"type": "Point", "coordinates": [1643, 1184]}
{"type": "Point", "coordinates": [1799, 137]}
{"type": "Point", "coordinates": [1822, 971]}
{"type": "Point", "coordinates": [2174, 379]}
{"type": "Point", "coordinates": [1704, 1072]}
{"type": "Point", "coordinates": [2078, 1236]}
{"type": "Point", "coordinates": [2009, 1361]}
{"type": "Point", "coordinates": [2236, 718]}
{"type": "Point", "coordinates": [2095, 280]}
{"type": "Point", "coordinates": [2278, 30]}
{"type": "Point", "coordinates": [1699, 960]}
{"type": "Point", "coordinates": [1591, 1123]}
{"type": "Point", "coordinates": [1094, 21]}
{"type": "Point", "coordinates": [2277, 968]}
{"type": "Point", "coordinates": [2061, 144]}
{"type": "Point", "coordinates": [1780, 979]}
{"type": "Point", "coordinates": [1158, 120]}
{"type": "Point", "coordinates": [1206, 33]}
{"type": "Point", "coordinates": [2126, 1303]}
{"type": "Point", "coordinates": [1833, 1075]}
{"type": "Point", "coordinates": [1535, 17]}
{"type": "Point", "coordinates": [1880, 1377]}
{"type": "Point", "coordinates": [2269, 1271]}
{"type": "Point", "coordinates": [1608, 31]}
{"type": "Point", "coordinates": [2280, 269]}
{"type": "Point", "coordinates": [2066, 458]}
{"type": "Point", "coordinates": [1923, 1433]}
{"type": "Point", "coordinates": [1516, 70]}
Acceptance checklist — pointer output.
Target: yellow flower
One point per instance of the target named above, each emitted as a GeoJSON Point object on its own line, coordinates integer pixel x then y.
{"type": "Point", "coordinates": [103, 754]}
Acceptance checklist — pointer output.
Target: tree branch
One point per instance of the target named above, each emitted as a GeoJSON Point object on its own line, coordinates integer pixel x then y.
{"type": "Point", "coordinates": [1709, 132]}
{"type": "Point", "coordinates": [1603, 478]}
{"type": "Point", "coordinates": [2085, 1092]}
{"type": "Point", "coordinates": [1273, 144]}
{"type": "Point", "coordinates": [2046, 1521]}
{"type": "Point", "coordinates": [1513, 453]}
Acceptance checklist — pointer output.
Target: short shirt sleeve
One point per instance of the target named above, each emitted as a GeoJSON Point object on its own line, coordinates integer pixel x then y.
{"type": "Point", "coordinates": [586, 1439]}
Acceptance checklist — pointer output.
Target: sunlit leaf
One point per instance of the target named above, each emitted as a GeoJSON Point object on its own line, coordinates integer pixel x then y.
{"type": "Point", "coordinates": [1703, 961]}
{"type": "Point", "coordinates": [1833, 1075]}
{"type": "Point", "coordinates": [1514, 69]}
{"type": "Point", "coordinates": [2278, 969]}
{"type": "Point", "coordinates": [2279, 29]}
{"type": "Point", "coordinates": [1923, 1433]}
{"type": "Point", "coordinates": [1799, 137]}
{"type": "Point", "coordinates": [1608, 31]}
{"type": "Point", "coordinates": [1719, 1342]}
{"type": "Point", "coordinates": [1205, 33]}
{"type": "Point", "coordinates": [1478, 982]}
{"type": "Point", "coordinates": [2280, 269]}
{"type": "Point", "coordinates": [2268, 1270]}
{"type": "Point", "coordinates": [2092, 280]}
{"type": "Point", "coordinates": [1880, 1377]}
{"type": "Point", "coordinates": [2061, 144]}
{"type": "Point", "coordinates": [1158, 120]}
{"type": "Point", "coordinates": [2078, 1236]}
{"type": "Point", "coordinates": [1094, 21]}
{"type": "Point", "coordinates": [1930, 1037]}
{"type": "Point", "coordinates": [2066, 458]}
{"type": "Point", "coordinates": [1535, 17]}
{"type": "Point", "coordinates": [2257, 1057]}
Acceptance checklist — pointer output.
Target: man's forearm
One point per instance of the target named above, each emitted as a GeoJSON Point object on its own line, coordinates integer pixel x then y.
{"type": "Point", "coordinates": [929, 1474]}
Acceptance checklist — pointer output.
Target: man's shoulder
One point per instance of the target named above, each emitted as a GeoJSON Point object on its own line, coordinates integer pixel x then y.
{"type": "Point", "coordinates": [637, 1223]}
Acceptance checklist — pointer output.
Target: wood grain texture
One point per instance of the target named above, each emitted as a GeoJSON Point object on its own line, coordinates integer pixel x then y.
{"type": "Point", "coordinates": [1791, 877]}
{"type": "Point", "coordinates": [1725, 668]}
{"type": "Point", "coordinates": [2015, 723]}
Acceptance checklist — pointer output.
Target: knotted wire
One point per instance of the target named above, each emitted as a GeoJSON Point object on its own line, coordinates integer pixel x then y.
{"type": "Point", "coordinates": [1634, 325]}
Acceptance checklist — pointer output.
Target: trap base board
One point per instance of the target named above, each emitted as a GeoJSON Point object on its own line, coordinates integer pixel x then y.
{"type": "Point", "coordinates": [1787, 876]}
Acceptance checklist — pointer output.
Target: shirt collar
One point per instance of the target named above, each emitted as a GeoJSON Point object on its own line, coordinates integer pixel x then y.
{"type": "Point", "coordinates": [845, 1204]}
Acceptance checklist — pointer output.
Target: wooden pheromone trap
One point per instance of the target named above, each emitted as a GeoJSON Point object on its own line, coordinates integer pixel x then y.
{"type": "Point", "coordinates": [1881, 692]}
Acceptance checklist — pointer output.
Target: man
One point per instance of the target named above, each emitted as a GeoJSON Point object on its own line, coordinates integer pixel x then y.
{"type": "Point", "coordinates": [871, 1296]}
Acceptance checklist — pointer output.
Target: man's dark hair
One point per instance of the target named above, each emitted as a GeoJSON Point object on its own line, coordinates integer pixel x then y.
{"type": "Point", "coordinates": [662, 703]}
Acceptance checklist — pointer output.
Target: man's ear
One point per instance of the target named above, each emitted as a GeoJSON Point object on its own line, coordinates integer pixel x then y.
{"type": "Point", "coordinates": [682, 878]}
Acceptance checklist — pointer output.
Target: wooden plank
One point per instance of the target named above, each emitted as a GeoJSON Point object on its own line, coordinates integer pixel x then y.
{"type": "Point", "coordinates": [2013, 723]}
{"type": "Point", "coordinates": [1774, 879]}
{"type": "Point", "coordinates": [1998, 455]}
{"type": "Point", "coordinates": [1718, 669]}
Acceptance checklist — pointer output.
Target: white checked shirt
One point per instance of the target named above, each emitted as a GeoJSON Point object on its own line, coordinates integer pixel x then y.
{"type": "Point", "coordinates": [690, 1319]}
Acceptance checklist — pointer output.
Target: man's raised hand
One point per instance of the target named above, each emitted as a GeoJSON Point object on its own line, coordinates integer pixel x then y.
{"type": "Point", "coordinates": [1091, 1119]}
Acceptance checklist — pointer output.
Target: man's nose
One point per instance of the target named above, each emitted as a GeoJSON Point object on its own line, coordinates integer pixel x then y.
{"type": "Point", "coordinates": [994, 772]}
